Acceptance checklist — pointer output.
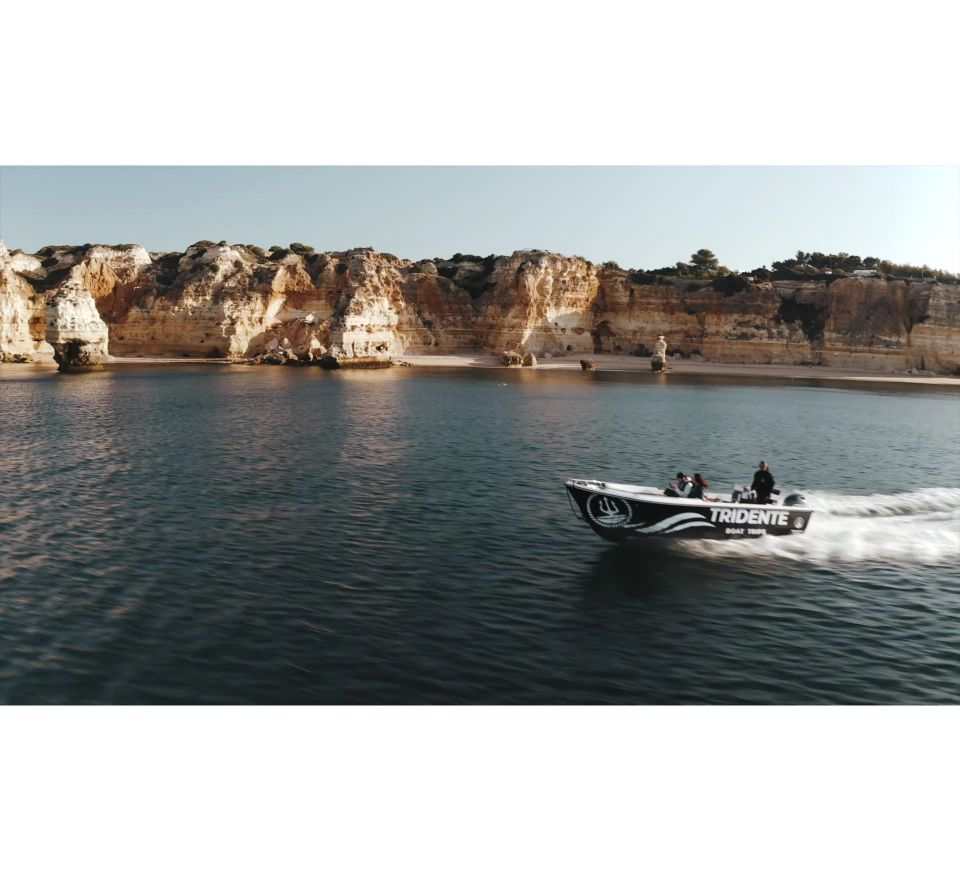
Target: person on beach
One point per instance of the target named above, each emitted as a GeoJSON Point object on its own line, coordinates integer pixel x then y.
{"type": "Point", "coordinates": [659, 361]}
{"type": "Point", "coordinates": [763, 483]}
{"type": "Point", "coordinates": [699, 489]}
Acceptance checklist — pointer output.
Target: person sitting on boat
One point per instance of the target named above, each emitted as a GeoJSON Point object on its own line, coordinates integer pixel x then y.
{"type": "Point", "coordinates": [699, 489]}
{"type": "Point", "coordinates": [679, 486]}
{"type": "Point", "coordinates": [763, 483]}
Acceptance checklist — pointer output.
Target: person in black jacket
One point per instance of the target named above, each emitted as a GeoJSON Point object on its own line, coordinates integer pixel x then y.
{"type": "Point", "coordinates": [763, 483]}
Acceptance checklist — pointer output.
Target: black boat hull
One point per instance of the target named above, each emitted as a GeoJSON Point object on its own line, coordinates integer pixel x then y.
{"type": "Point", "coordinates": [617, 513]}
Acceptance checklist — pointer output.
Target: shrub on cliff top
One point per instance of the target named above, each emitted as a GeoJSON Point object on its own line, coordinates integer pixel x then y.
{"type": "Point", "coordinates": [816, 264]}
{"type": "Point", "coordinates": [640, 276]}
{"type": "Point", "coordinates": [907, 270]}
{"type": "Point", "coordinates": [728, 285]}
{"type": "Point", "coordinates": [300, 248]}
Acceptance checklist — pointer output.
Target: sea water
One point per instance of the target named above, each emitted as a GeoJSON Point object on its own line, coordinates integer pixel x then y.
{"type": "Point", "coordinates": [213, 534]}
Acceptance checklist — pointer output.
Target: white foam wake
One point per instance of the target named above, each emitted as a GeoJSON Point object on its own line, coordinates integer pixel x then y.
{"type": "Point", "coordinates": [918, 527]}
{"type": "Point", "coordinates": [929, 500]}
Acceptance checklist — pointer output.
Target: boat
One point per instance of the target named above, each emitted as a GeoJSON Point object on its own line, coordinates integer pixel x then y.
{"type": "Point", "coordinates": [618, 512]}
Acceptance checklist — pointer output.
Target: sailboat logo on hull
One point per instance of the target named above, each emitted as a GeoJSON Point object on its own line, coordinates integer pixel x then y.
{"type": "Point", "coordinates": [607, 511]}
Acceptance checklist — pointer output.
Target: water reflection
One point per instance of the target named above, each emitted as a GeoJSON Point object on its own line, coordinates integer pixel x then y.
{"type": "Point", "coordinates": [252, 534]}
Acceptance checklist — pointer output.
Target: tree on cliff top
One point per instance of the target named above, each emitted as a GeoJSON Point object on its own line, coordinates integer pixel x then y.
{"type": "Point", "coordinates": [704, 262]}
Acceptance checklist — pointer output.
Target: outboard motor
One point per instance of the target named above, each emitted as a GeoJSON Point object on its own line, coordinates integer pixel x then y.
{"type": "Point", "coordinates": [793, 500]}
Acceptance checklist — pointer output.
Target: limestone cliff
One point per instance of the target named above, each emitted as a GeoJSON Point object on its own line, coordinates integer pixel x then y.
{"type": "Point", "coordinates": [849, 322]}
{"type": "Point", "coordinates": [22, 318]}
{"type": "Point", "coordinates": [239, 301]}
{"type": "Point", "coordinates": [539, 302]}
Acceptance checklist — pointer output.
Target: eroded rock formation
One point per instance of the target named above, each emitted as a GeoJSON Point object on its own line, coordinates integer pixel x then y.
{"type": "Point", "coordinates": [296, 304]}
{"type": "Point", "coordinates": [75, 330]}
{"type": "Point", "coordinates": [22, 321]}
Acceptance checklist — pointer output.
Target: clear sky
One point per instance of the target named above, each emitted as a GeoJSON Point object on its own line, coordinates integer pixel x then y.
{"type": "Point", "coordinates": [638, 216]}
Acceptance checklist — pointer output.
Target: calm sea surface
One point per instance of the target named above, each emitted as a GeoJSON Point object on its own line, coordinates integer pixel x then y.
{"type": "Point", "coordinates": [209, 534]}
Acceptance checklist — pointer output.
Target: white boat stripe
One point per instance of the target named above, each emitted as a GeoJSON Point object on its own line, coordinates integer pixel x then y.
{"type": "Point", "coordinates": [670, 521]}
{"type": "Point", "coordinates": [674, 529]}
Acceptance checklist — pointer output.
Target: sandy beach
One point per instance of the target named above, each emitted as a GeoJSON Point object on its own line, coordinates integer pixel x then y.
{"type": "Point", "coordinates": [608, 363]}
{"type": "Point", "coordinates": [629, 363]}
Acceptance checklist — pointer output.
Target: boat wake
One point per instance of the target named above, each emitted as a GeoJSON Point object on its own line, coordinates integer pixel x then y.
{"type": "Point", "coordinates": [920, 526]}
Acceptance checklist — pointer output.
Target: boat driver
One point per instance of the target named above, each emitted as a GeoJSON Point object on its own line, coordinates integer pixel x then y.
{"type": "Point", "coordinates": [763, 483]}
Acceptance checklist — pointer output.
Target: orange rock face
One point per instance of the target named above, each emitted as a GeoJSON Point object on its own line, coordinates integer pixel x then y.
{"type": "Point", "coordinates": [239, 301]}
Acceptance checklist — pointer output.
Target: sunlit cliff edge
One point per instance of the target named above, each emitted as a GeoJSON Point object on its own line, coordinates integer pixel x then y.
{"type": "Point", "coordinates": [81, 304]}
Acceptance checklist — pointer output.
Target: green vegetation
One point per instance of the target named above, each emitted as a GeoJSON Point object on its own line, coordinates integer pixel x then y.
{"type": "Point", "coordinates": [804, 266]}
{"type": "Point", "coordinates": [728, 285]}
{"type": "Point", "coordinates": [808, 264]}
{"type": "Point", "coordinates": [703, 264]}
{"type": "Point", "coordinates": [905, 270]}
{"type": "Point", "coordinates": [704, 261]}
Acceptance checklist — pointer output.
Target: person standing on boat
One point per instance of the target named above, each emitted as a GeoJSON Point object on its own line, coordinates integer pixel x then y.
{"type": "Point", "coordinates": [763, 483]}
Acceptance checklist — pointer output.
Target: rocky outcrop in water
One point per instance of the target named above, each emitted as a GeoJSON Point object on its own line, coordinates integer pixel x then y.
{"type": "Point", "coordinates": [75, 330]}
{"type": "Point", "coordinates": [297, 305]}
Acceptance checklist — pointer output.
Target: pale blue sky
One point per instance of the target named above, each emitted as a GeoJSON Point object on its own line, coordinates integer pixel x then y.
{"type": "Point", "coordinates": [638, 216]}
